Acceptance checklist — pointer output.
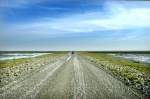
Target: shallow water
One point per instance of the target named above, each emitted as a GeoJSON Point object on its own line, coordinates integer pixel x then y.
{"type": "Point", "coordinates": [8, 56]}
{"type": "Point", "coordinates": [145, 58]}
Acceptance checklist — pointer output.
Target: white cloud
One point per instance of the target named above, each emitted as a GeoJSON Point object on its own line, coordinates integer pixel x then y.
{"type": "Point", "coordinates": [127, 19]}
{"type": "Point", "coordinates": [116, 17]}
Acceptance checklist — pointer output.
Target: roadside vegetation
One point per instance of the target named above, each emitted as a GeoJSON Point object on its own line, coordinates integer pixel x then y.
{"type": "Point", "coordinates": [15, 62]}
{"type": "Point", "coordinates": [133, 74]}
{"type": "Point", "coordinates": [15, 68]}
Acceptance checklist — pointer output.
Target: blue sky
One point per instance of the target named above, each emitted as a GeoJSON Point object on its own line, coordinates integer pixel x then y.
{"type": "Point", "coordinates": [74, 25]}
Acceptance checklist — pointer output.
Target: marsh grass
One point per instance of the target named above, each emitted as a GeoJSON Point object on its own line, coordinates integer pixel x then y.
{"type": "Point", "coordinates": [15, 62]}
{"type": "Point", "coordinates": [123, 62]}
{"type": "Point", "coordinates": [134, 74]}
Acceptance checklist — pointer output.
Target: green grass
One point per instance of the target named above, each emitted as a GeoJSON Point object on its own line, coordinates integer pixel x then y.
{"type": "Point", "coordinates": [123, 62]}
{"type": "Point", "coordinates": [14, 62]}
{"type": "Point", "coordinates": [130, 72]}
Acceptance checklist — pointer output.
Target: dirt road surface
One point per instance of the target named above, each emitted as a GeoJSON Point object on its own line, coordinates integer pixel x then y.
{"type": "Point", "coordinates": [71, 77]}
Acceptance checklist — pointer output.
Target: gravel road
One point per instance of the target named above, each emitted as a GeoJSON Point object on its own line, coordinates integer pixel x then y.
{"type": "Point", "coordinates": [71, 77]}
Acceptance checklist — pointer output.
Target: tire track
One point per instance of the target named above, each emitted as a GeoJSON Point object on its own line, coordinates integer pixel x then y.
{"type": "Point", "coordinates": [79, 83]}
{"type": "Point", "coordinates": [60, 84]}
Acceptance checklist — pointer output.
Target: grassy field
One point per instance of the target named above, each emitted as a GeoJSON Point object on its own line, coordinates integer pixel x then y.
{"type": "Point", "coordinates": [15, 62]}
{"type": "Point", "coordinates": [134, 74]}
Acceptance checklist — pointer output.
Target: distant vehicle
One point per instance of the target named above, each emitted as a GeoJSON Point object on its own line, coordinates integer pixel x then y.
{"type": "Point", "coordinates": [72, 52]}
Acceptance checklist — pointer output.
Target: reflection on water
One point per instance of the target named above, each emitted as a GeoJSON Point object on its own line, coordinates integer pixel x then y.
{"type": "Point", "coordinates": [8, 56]}
{"type": "Point", "coordinates": [145, 58]}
